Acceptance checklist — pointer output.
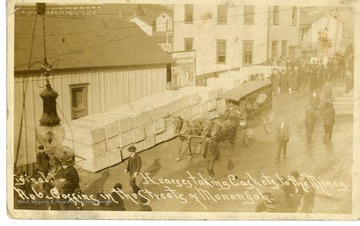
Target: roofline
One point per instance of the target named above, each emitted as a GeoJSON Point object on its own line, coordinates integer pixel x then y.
{"type": "Point", "coordinates": [93, 67]}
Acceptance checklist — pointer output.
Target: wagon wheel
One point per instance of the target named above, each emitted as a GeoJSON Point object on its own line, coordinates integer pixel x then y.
{"type": "Point", "coordinates": [270, 121]}
{"type": "Point", "coordinates": [249, 137]}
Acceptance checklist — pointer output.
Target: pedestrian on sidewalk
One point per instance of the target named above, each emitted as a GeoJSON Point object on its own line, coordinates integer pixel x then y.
{"type": "Point", "coordinates": [284, 83]}
{"type": "Point", "coordinates": [349, 81]}
{"type": "Point", "coordinates": [327, 89]}
{"type": "Point", "coordinates": [118, 205]}
{"type": "Point", "coordinates": [310, 119]}
{"type": "Point", "coordinates": [308, 199]}
{"type": "Point", "coordinates": [314, 101]}
{"type": "Point", "coordinates": [185, 136]}
{"type": "Point", "coordinates": [211, 154]}
{"type": "Point", "coordinates": [275, 81]}
{"type": "Point", "coordinates": [133, 168]}
{"type": "Point", "coordinates": [329, 121]}
{"type": "Point", "coordinates": [282, 137]}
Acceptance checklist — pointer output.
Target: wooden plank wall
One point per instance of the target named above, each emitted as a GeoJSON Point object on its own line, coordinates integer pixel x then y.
{"type": "Point", "coordinates": [107, 88]}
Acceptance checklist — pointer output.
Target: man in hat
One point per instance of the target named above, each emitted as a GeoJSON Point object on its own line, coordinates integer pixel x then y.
{"type": "Point", "coordinates": [329, 121]}
{"type": "Point", "coordinates": [282, 137]}
{"type": "Point", "coordinates": [283, 81]}
{"type": "Point", "coordinates": [310, 118]}
{"type": "Point", "coordinates": [133, 168]}
{"type": "Point", "coordinates": [275, 81]}
{"type": "Point", "coordinates": [211, 154]}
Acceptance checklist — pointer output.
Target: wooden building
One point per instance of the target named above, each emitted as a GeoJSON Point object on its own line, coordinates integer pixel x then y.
{"type": "Point", "coordinates": [98, 63]}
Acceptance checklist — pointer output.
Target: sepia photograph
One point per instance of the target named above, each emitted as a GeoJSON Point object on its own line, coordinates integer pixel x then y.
{"type": "Point", "coordinates": [188, 110]}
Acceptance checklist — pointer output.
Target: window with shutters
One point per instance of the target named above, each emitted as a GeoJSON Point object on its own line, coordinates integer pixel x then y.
{"type": "Point", "coordinates": [274, 49]}
{"type": "Point", "coordinates": [248, 52]}
{"type": "Point", "coordinates": [220, 51]}
{"type": "Point", "coordinates": [222, 14]}
{"type": "Point", "coordinates": [276, 15]}
{"type": "Point", "coordinates": [249, 16]}
{"type": "Point", "coordinates": [79, 103]}
{"type": "Point", "coordinates": [294, 16]}
{"type": "Point", "coordinates": [189, 14]}
{"type": "Point", "coordinates": [188, 44]}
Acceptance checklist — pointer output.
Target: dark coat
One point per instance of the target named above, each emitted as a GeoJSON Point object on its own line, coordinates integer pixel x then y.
{"type": "Point", "coordinates": [283, 133]}
{"type": "Point", "coordinates": [310, 116]}
{"type": "Point", "coordinates": [134, 164]}
{"type": "Point", "coordinates": [329, 116]}
{"type": "Point", "coordinates": [211, 150]}
{"type": "Point", "coordinates": [314, 102]}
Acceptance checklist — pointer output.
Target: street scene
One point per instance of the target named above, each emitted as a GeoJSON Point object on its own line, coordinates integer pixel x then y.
{"type": "Point", "coordinates": [174, 108]}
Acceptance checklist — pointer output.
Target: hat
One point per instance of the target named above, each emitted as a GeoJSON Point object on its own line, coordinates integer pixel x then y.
{"type": "Point", "coordinates": [132, 149]}
{"type": "Point", "coordinates": [118, 186]}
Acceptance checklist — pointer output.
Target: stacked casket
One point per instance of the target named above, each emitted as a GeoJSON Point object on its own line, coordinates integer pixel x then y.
{"type": "Point", "coordinates": [102, 140]}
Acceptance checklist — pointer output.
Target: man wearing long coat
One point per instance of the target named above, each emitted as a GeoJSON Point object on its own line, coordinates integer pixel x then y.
{"type": "Point", "coordinates": [282, 138]}
{"type": "Point", "coordinates": [310, 118]}
{"type": "Point", "coordinates": [329, 121]}
{"type": "Point", "coordinates": [133, 168]}
{"type": "Point", "coordinates": [275, 81]}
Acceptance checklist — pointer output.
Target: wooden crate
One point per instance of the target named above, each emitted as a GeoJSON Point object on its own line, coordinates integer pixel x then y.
{"type": "Point", "coordinates": [126, 138]}
{"type": "Point", "coordinates": [86, 151]}
{"type": "Point", "coordinates": [149, 129]}
{"type": "Point", "coordinates": [212, 105]}
{"type": "Point", "coordinates": [204, 107]}
{"type": "Point", "coordinates": [110, 124]}
{"type": "Point", "coordinates": [138, 134]}
{"type": "Point", "coordinates": [159, 126]}
{"type": "Point", "coordinates": [124, 122]}
{"type": "Point", "coordinates": [113, 157]}
{"type": "Point", "coordinates": [169, 133]}
{"type": "Point", "coordinates": [159, 138]}
{"type": "Point", "coordinates": [149, 142]}
{"type": "Point", "coordinates": [96, 164]}
{"type": "Point", "coordinates": [195, 110]}
{"type": "Point", "coordinates": [112, 143]}
{"type": "Point", "coordinates": [87, 132]}
{"type": "Point", "coordinates": [186, 113]}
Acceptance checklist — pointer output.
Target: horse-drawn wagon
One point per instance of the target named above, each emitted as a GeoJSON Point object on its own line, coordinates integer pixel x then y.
{"type": "Point", "coordinates": [252, 101]}
{"type": "Point", "coordinates": [246, 105]}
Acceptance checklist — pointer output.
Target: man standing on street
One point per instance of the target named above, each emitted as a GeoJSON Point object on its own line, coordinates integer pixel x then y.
{"type": "Point", "coordinates": [282, 137]}
{"type": "Point", "coordinates": [211, 154]}
{"type": "Point", "coordinates": [329, 121]}
{"type": "Point", "coordinates": [310, 118]}
{"type": "Point", "coordinates": [133, 168]}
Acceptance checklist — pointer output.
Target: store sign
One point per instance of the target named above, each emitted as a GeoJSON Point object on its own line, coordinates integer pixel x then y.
{"type": "Point", "coordinates": [184, 57]}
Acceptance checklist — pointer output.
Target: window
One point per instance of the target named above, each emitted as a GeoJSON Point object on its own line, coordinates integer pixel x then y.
{"type": "Point", "coordinates": [168, 73]}
{"type": "Point", "coordinates": [284, 45]}
{"type": "Point", "coordinates": [249, 16]}
{"type": "Point", "coordinates": [169, 25]}
{"type": "Point", "coordinates": [294, 16]}
{"type": "Point", "coordinates": [220, 51]}
{"type": "Point", "coordinates": [275, 15]}
{"type": "Point", "coordinates": [78, 100]}
{"type": "Point", "coordinates": [222, 14]}
{"type": "Point", "coordinates": [189, 14]}
{"type": "Point", "coordinates": [188, 44]}
{"type": "Point", "coordinates": [248, 52]}
{"type": "Point", "coordinates": [274, 49]}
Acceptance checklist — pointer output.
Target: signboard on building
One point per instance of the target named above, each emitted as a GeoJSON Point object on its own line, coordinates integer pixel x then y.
{"type": "Point", "coordinates": [183, 72]}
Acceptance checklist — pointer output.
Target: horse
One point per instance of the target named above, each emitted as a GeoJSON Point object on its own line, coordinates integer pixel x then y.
{"type": "Point", "coordinates": [186, 130]}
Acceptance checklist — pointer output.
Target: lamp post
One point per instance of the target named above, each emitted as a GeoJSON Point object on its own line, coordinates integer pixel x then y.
{"type": "Point", "coordinates": [50, 133]}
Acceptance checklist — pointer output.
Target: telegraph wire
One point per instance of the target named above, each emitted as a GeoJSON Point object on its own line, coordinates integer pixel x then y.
{"type": "Point", "coordinates": [89, 18]}
{"type": "Point", "coordinates": [25, 84]}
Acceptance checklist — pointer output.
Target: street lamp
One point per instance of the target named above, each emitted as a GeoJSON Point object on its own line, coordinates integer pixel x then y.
{"type": "Point", "coordinates": [50, 133]}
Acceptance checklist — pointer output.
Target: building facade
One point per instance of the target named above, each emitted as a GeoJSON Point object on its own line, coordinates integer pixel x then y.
{"type": "Point", "coordinates": [228, 37]}
{"type": "Point", "coordinates": [323, 35]}
{"type": "Point", "coordinates": [101, 66]}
